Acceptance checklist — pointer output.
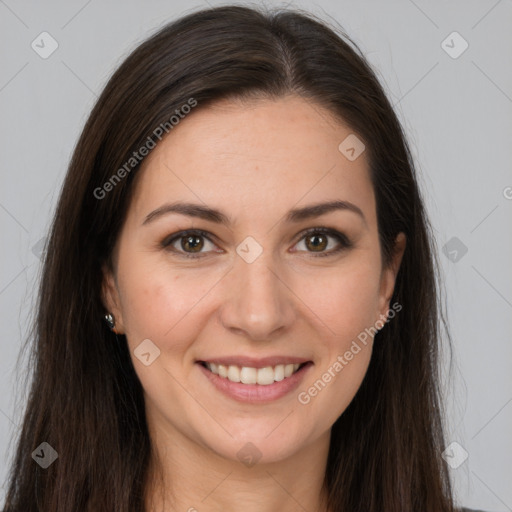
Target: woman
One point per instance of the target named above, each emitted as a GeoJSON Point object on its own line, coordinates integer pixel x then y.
{"type": "Point", "coordinates": [242, 210]}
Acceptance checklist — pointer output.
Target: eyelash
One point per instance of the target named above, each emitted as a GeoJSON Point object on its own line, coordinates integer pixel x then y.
{"type": "Point", "coordinates": [344, 242]}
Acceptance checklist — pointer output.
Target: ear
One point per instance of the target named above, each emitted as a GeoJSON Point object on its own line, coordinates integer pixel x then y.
{"type": "Point", "coordinates": [110, 298]}
{"type": "Point", "coordinates": [388, 275]}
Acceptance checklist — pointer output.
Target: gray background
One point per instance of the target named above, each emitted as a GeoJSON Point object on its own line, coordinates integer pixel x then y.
{"type": "Point", "coordinates": [457, 115]}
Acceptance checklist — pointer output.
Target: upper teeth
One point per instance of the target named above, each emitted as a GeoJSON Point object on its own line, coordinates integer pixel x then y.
{"type": "Point", "coordinates": [247, 375]}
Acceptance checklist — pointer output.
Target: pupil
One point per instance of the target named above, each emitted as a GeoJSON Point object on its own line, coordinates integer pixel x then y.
{"type": "Point", "coordinates": [316, 244]}
{"type": "Point", "coordinates": [193, 242]}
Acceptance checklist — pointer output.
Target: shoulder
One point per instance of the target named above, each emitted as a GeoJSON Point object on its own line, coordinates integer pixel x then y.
{"type": "Point", "coordinates": [470, 510]}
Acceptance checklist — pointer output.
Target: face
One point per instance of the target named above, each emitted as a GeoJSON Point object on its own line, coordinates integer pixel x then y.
{"type": "Point", "coordinates": [251, 278]}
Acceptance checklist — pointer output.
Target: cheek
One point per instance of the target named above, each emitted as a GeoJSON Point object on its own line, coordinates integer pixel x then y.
{"type": "Point", "coordinates": [159, 301]}
{"type": "Point", "coordinates": [344, 299]}
{"type": "Point", "coordinates": [346, 303]}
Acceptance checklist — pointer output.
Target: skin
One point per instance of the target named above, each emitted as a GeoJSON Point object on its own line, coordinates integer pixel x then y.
{"type": "Point", "coordinates": [254, 161]}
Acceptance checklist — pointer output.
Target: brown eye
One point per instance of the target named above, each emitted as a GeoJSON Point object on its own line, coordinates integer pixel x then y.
{"type": "Point", "coordinates": [192, 243]}
{"type": "Point", "coordinates": [317, 240]}
{"type": "Point", "coordinates": [189, 244]}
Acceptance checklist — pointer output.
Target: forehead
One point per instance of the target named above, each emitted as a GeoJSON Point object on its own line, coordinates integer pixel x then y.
{"type": "Point", "coordinates": [242, 156]}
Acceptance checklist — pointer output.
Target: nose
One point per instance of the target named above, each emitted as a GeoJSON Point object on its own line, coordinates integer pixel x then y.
{"type": "Point", "coordinates": [259, 304]}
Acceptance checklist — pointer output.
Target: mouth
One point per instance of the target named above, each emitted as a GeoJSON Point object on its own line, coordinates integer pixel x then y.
{"type": "Point", "coordinates": [255, 385]}
{"type": "Point", "coordinates": [249, 375]}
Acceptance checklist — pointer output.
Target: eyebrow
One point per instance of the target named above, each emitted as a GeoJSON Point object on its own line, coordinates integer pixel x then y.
{"type": "Point", "coordinates": [213, 215]}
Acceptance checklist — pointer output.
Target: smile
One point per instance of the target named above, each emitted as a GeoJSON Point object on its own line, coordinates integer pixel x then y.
{"type": "Point", "coordinates": [247, 375]}
{"type": "Point", "coordinates": [254, 385]}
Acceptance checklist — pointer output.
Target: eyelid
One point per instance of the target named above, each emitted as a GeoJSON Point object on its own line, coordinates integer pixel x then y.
{"type": "Point", "coordinates": [167, 242]}
{"type": "Point", "coordinates": [343, 240]}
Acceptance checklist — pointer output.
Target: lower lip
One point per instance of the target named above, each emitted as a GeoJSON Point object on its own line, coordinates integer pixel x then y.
{"type": "Point", "coordinates": [256, 393]}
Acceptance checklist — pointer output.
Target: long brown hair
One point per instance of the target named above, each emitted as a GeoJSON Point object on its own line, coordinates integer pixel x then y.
{"type": "Point", "coordinates": [85, 399]}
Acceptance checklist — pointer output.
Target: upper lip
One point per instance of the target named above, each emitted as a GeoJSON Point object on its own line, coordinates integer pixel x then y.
{"type": "Point", "coordinates": [252, 362]}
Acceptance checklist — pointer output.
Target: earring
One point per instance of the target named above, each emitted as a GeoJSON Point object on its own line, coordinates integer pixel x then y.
{"type": "Point", "coordinates": [111, 321]}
